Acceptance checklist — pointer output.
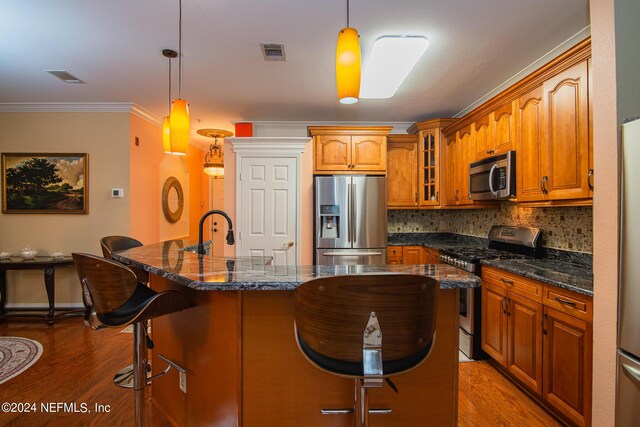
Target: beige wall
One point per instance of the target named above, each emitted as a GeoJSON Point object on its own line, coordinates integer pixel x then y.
{"type": "Point", "coordinates": [144, 168]}
{"type": "Point", "coordinates": [104, 137]}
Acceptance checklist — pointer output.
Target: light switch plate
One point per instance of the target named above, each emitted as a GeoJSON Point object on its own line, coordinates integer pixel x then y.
{"type": "Point", "coordinates": [117, 193]}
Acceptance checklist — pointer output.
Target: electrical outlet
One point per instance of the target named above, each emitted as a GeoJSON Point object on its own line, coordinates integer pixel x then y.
{"type": "Point", "coordinates": [183, 382]}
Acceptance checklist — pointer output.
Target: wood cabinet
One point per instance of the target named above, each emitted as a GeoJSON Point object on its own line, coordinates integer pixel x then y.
{"type": "Point", "coordinates": [494, 322]}
{"type": "Point", "coordinates": [546, 117]}
{"type": "Point", "coordinates": [542, 336]}
{"type": "Point", "coordinates": [494, 134]}
{"type": "Point", "coordinates": [412, 255]}
{"type": "Point", "coordinates": [339, 149]}
{"type": "Point", "coordinates": [553, 139]}
{"type": "Point", "coordinates": [433, 256]}
{"type": "Point", "coordinates": [394, 255]}
{"type": "Point", "coordinates": [567, 365]}
{"type": "Point", "coordinates": [512, 330]}
{"type": "Point", "coordinates": [430, 142]}
{"type": "Point", "coordinates": [402, 171]}
{"type": "Point", "coordinates": [524, 354]}
{"type": "Point", "coordinates": [458, 153]}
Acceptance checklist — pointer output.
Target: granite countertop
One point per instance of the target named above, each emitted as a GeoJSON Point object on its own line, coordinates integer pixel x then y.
{"type": "Point", "coordinates": [565, 269]}
{"type": "Point", "coordinates": [212, 273]}
{"type": "Point", "coordinates": [565, 275]}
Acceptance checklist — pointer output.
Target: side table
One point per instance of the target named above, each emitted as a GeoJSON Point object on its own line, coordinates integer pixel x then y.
{"type": "Point", "coordinates": [49, 266]}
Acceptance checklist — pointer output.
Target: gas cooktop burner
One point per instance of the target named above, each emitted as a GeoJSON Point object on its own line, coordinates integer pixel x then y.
{"type": "Point", "coordinates": [468, 258]}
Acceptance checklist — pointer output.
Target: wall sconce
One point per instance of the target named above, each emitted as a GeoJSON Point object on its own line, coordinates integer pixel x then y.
{"type": "Point", "coordinates": [214, 159]}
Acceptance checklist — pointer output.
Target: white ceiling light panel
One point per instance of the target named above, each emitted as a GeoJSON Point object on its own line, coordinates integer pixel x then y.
{"type": "Point", "coordinates": [390, 62]}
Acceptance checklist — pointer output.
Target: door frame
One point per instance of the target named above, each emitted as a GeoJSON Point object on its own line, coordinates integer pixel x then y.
{"type": "Point", "coordinates": [275, 148]}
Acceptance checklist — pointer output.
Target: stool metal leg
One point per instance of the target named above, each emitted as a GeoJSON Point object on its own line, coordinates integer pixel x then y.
{"type": "Point", "coordinates": [139, 370]}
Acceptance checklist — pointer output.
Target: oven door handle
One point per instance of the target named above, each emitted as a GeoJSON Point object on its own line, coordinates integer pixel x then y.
{"type": "Point", "coordinates": [493, 169]}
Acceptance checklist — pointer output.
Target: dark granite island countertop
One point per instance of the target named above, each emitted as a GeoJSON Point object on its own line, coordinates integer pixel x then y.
{"type": "Point", "coordinates": [238, 346]}
{"type": "Point", "coordinates": [211, 273]}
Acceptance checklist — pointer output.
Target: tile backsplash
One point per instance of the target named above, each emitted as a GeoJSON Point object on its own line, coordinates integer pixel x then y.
{"type": "Point", "coordinates": [568, 228]}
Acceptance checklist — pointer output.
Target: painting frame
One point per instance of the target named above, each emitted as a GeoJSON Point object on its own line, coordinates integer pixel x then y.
{"type": "Point", "coordinates": [45, 183]}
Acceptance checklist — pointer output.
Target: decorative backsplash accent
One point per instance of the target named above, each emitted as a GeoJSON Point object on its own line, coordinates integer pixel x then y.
{"type": "Point", "coordinates": [568, 228]}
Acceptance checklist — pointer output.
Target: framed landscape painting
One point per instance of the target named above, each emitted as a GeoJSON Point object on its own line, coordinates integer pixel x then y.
{"type": "Point", "coordinates": [44, 183]}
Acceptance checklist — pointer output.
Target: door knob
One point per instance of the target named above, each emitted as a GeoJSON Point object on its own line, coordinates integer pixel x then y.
{"type": "Point", "coordinates": [289, 244]}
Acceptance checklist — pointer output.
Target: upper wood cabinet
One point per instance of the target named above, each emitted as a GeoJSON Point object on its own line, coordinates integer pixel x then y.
{"type": "Point", "coordinates": [340, 149]}
{"type": "Point", "coordinates": [494, 133]}
{"type": "Point", "coordinates": [402, 171]}
{"type": "Point", "coordinates": [553, 139]}
{"type": "Point", "coordinates": [529, 155]}
{"type": "Point", "coordinates": [430, 142]}
{"type": "Point", "coordinates": [458, 150]}
{"type": "Point", "coordinates": [546, 117]}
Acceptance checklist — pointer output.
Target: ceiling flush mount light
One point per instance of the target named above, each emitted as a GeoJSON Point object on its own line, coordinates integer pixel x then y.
{"type": "Point", "coordinates": [348, 64]}
{"type": "Point", "coordinates": [166, 127]}
{"type": "Point", "coordinates": [390, 62]}
{"type": "Point", "coordinates": [179, 119]}
{"type": "Point", "coordinates": [214, 159]}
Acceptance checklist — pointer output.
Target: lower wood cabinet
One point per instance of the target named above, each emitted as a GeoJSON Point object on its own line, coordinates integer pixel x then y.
{"type": "Point", "coordinates": [542, 336]}
{"type": "Point", "coordinates": [568, 355]}
{"type": "Point", "coordinates": [412, 255]}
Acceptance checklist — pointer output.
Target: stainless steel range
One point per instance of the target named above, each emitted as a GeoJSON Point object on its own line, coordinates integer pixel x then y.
{"type": "Point", "coordinates": [504, 243]}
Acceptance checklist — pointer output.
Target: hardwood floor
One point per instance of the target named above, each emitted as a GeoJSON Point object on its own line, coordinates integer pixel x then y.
{"type": "Point", "coordinates": [78, 365]}
{"type": "Point", "coordinates": [487, 398]}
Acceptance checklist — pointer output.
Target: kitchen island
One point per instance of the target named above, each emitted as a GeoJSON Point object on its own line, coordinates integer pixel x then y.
{"type": "Point", "coordinates": [238, 347]}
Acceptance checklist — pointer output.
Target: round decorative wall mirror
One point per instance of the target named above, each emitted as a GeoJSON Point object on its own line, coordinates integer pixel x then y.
{"type": "Point", "coordinates": [172, 199]}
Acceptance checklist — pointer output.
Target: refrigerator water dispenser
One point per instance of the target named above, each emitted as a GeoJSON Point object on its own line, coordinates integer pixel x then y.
{"type": "Point", "coordinates": [330, 221]}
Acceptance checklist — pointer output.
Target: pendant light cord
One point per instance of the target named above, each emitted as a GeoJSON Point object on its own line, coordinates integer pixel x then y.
{"type": "Point", "coordinates": [180, 51]}
{"type": "Point", "coordinates": [169, 83]}
{"type": "Point", "coordinates": [347, 13]}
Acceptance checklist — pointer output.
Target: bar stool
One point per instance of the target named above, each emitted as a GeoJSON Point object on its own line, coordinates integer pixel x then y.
{"type": "Point", "coordinates": [119, 300]}
{"type": "Point", "coordinates": [112, 244]}
{"type": "Point", "coordinates": [340, 323]}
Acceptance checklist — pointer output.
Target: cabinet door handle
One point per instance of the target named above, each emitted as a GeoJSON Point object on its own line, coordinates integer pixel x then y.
{"type": "Point", "coordinates": [502, 305]}
{"type": "Point", "coordinates": [589, 177]}
{"type": "Point", "coordinates": [544, 324]}
{"type": "Point", "coordinates": [508, 282]}
{"type": "Point", "coordinates": [544, 184]}
{"type": "Point", "coordinates": [564, 301]}
{"type": "Point", "coordinates": [416, 197]}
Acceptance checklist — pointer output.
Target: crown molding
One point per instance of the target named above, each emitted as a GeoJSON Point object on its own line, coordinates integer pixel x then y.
{"type": "Point", "coordinates": [66, 107]}
{"type": "Point", "coordinates": [268, 146]}
{"type": "Point", "coordinates": [79, 107]}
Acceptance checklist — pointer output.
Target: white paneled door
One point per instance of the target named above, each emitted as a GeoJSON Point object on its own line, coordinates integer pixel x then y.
{"type": "Point", "coordinates": [268, 192]}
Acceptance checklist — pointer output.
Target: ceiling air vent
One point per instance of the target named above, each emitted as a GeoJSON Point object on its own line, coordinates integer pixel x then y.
{"type": "Point", "coordinates": [273, 52]}
{"type": "Point", "coordinates": [65, 76]}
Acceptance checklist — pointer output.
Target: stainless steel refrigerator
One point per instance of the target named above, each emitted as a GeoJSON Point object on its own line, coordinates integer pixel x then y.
{"type": "Point", "coordinates": [628, 393]}
{"type": "Point", "coordinates": [350, 220]}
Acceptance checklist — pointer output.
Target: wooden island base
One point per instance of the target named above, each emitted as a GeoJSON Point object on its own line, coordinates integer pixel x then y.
{"type": "Point", "coordinates": [244, 367]}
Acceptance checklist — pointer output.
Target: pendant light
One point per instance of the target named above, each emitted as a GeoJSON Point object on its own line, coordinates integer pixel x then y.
{"type": "Point", "coordinates": [166, 131]}
{"type": "Point", "coordinates": [348, 64]}
{"type": "Point", "coordinates": [214, 159]}
{"type": "Point", "coordinates": [179, 119]}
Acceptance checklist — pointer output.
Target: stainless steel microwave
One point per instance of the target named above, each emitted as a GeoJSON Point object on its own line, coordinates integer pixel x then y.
{"type": "Point", "coordinates": [493, 178]}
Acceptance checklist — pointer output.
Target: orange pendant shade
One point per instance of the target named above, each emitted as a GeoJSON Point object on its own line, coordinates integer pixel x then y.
{"type": "Point", "coordinates": [166, 135]}
{"type": "Point", "coordinates": [348, 66]}
{"type": "Point", "coordinates": [180, 125]}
